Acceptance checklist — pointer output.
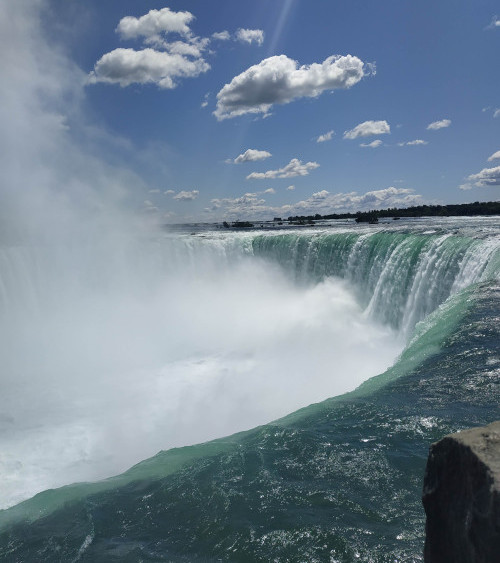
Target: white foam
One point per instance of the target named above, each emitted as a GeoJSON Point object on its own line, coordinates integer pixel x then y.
{"type": "Point", "coordinates": [130, 359]}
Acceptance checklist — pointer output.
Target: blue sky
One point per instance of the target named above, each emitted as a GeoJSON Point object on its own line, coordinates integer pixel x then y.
{"type": "Point", "coordinates": [340, 105]}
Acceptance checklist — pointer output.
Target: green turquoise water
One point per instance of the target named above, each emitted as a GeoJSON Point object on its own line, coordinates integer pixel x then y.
{"type": "Point", "coordinates": [339, 480]}
{"type": "Point", "coordinates": [399, 276]}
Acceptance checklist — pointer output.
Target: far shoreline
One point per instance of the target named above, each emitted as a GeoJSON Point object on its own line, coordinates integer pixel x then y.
{"type": "Point", "coordinates": [476, 209]}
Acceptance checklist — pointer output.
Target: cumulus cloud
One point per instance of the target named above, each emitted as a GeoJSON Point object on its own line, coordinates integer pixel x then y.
{"type": "Point", "coordinates": [270, 191]}
{"type": "Point", "coordinates": [251, 155]}
{"type": "Point", "coordinates": [164, 61]}
{"type": "Point", "coordinates": [169, 192]}
{"type": "Point", "coordinates": [413, 143]}
{"type": "Point", "coordinates": [494, 156]}
{"type": "Point", "coordinates": [323, 194]}
{"type": "Point", "coordinates": [367, 129]}
{"type": "Point", "coordinates": [279, 80]}
{"type": "Point", "coordinates": [186, 195]}
{"type": "Point", "coordinates": [291, 188]}
{"type": "Point", "coordinates": [439, 124]}
{"type": "Point", "coordinates": [325, 136]}
{"type": "Point", "coordinates": [128, 66]}
{"type": "Point", "coordinates": [487, 177]}
{"type": "Point", "coordinates": [154, 23]}
{"type": "Point", "coordinates": [193, 49]}
{"type": "Point", "coordinates": [496, 113]}
{"type": "Point", "coordinates": [221, 35]}
{"type": "Point", "coordinates": [250, 36]}
{"type": "Point", "coordinates": [322, 201]}
{"type": "Point", "coordinates": [372, 145]}
{"type": "Point", "coordinates": [248, 205]}
{"type": "Point", "coordinates": [294, 168]}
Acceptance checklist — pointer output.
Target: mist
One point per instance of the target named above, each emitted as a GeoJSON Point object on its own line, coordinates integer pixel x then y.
{"type": "Point", "coordinates": [174, 342]}
{"type": "Point", "coordinates": [53, 183]}
{"type": "Point", "coordinates": [116, 340]}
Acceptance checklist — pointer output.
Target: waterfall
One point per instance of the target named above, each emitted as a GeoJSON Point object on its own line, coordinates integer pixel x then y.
{"type": "Point", "coordinates": [172, 339]}
{"type": "Point", "coordinates": [398, 277]}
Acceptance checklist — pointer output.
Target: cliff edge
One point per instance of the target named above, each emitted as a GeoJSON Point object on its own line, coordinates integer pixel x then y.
{"type": "Point", "coordinates": [461, 497]}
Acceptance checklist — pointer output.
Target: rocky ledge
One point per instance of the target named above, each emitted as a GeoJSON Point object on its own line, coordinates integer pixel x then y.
{"type": "Point", "coordinates": [462, 497]}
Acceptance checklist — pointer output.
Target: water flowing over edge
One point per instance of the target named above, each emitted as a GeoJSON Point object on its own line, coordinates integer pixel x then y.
{"type": "Point", "coordinates": [470, 260]}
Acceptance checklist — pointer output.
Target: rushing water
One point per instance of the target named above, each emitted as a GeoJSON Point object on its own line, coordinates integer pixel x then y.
{"type": "Point", "coordinates": [114, 352]}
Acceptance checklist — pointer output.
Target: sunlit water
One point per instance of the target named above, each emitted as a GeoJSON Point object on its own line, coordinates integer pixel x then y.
{"type": "Point", "coordinates": [112, 352]}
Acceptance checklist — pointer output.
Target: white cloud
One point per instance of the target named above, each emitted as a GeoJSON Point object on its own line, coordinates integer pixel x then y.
{"type": "Point", "coordinates": [204, 103]}
{"type": "Point", "coordinates": [496, 113]}
{"type": "Point", "coordinates": [186, 196]}
{"type": "Point", "coordinates": [163, 62]}
{"type": "Point", "coordinates": [413, 143]}
{"type": "Point", "coordinates": [494, 156]}
{"type": "Point", "coordinates": [279, 80]}
{"type": "Point", "coordinates": [323, 202]}
{"type": "Point", "coordinates": [169, 192]}
{"type": "Point", "coordinates": [325, 136]}
{"type": "Point", "coordinates": [250, 36]}
{"type": "Point", "coordinates": [294, 168]}
{"type": "Point", "coordinates": [487, 177]}
{"type": "Point", "coordinates": [439, 124]}
{"type": "Point", "coordinates": [368, 128]}
{"type": "Point", "coordinates": [270, 191]}
{"type": "Point", "coordinates": [221, 35]}
{"type": "Point", "coordinates": [372, 145]}
{"type": "Point", "coordinates": [495, 22]}
{"type": "Point", "coordinates": [251, 155]}
{"type": "Point", "coordinates": [193, 49]}
{"type": "Point", "coordinates": [248, 205]}
{"type": "Point", "coordinates": [291, 188]}
{"type": "Point", "coordinates": [154, 23]}
{"type": "Point", "coordinates": [127, 66]}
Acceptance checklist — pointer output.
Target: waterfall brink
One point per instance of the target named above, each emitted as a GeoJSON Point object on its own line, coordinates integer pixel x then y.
{"type": "Point", "coordinates": [399, 278]}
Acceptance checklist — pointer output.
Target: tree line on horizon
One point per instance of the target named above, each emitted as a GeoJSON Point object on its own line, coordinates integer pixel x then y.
{"type": "Point", "coordinates": [451, 210]}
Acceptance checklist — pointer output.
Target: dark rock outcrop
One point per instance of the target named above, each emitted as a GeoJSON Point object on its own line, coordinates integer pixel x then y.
{"type": "Point", "coordinates": [462, 497]}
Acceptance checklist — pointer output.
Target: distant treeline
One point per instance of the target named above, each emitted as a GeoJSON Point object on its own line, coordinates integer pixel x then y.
{"type": "Point", "coordinates": [454, 210]}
